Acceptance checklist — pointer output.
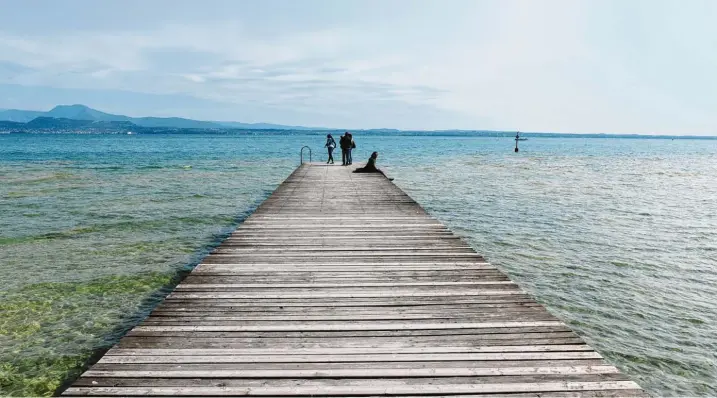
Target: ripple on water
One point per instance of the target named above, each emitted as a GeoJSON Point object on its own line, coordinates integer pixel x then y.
{"type": "Point", "coordinates": [623, 253]}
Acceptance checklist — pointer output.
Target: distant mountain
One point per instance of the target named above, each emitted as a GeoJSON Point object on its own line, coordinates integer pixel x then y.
{"type": "Point", "coordinates": [62, 114]}
{"type": "Point", "coordinates": [175, 122]}
{"type": "Point", "coordinates": [266, 126]}
{"type": "Point", "coordinates": [15, 115]}
{"type": "Point", "coordinates": [10, 125]}
{"type": "Point", "coordinates": [82, 112]}
{"type": "Point", "coordinates": [45, 122]}
{"type": "Point", "coordinates": [383, 130]}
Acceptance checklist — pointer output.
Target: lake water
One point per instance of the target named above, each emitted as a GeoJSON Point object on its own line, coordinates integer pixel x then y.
{"type": "Point", "coordinates": [617, 237]}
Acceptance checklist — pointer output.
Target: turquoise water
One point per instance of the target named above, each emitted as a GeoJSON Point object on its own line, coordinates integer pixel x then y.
{"type": "Point", "coordinates": [617, 237]}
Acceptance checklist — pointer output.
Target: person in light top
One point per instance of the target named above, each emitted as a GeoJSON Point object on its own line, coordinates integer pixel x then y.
{"type": "Point", "coordinates": [330, 145]}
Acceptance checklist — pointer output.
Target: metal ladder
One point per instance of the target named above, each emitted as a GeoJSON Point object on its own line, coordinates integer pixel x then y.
{"type": "Point", "coordinates": [301, 153]}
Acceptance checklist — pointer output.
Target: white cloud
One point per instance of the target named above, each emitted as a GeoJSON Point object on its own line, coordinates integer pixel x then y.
{"type": "Point", "coordinates": [505, 65]}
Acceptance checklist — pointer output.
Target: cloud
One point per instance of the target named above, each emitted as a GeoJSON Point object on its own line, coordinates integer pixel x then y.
{"type": "Point", "coordinates": [556, 65]}
{"type": "Point", "coordinates": [312, 70]}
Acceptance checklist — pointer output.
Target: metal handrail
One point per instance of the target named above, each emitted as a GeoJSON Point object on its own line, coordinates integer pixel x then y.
{"type": "Point", "coordinates": [301, 153]}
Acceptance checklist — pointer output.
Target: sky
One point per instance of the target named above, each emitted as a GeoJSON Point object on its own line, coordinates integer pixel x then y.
{"type": "Point", "coordinates": [601, 66]}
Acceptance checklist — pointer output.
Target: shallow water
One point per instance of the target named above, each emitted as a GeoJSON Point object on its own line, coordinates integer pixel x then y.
{"type": "Point", "coordinates": [617, 237]}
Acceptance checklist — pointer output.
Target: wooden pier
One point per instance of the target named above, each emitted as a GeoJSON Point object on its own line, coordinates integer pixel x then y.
{"type": "Point", "coordinates": [341, 285]}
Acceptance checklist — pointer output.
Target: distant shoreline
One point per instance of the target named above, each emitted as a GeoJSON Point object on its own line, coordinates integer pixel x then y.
{"type": "Point", "coordinates": [284, 132]}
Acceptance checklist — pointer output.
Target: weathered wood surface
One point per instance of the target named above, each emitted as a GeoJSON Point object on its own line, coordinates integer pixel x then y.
{"type": "Point", "coordinates": [341, 285]}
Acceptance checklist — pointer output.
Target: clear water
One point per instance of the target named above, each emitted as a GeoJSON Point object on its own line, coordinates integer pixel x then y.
{"type": "Point", "coordinates": [617, 237]}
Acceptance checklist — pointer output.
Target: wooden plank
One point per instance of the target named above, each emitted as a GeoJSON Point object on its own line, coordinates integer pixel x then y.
{"type": "Point", "coordinates": [355, 373]}
{"type": "Point", "coordinates": [514, 306]}
{"type": "Point", "coordinates": [300, 342]}
{"type": "Point", "coordinates": [414, 302]}
{"type": "Point", "coordinates": [349, 254]}
{"type": "Point", "coordinates": [187, 286]}
{"type": "Point", "coordinates": [572, 394]}
{"type": "Point", "coordinates": [347, 302]}
{"type": "Point", "coordinates": [345, 327]}
{"type": "Point", "coordinates": [330, 311]}
{"type": "Point", "coordinates": [375, 320]}
{"type": "Point", "coordinates": [355, 382]}
{"type": "Point", "coordinates": [383, 265]}
{"type": "Point", "coordinates": [352, 365]}
{"type": "Point", "coordinates": [349, 358]}
{"type": "Point", "coordinates": [365, 390]}
{"type": "Point", "coordinates": [329, 316]}
{"type": "Point", "coordinates": [349, 351]}
{"type": "Point", "coordinates": [347, 333]}
{"type": "Point", "coordinates": [297, 277]}
{"type": "Point", "coordinates": [248, 268]}
{"type": "Point", "coordinates": [456, 289]}
{"type": "Point", "coordinates": [319, 295]}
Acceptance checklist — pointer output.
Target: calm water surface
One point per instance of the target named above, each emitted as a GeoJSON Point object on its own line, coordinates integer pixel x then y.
{"type": "Point", "coordinates": [617, 237]}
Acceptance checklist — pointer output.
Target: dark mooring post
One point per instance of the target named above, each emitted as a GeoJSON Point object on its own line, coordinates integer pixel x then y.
{"type": "Point", "coordinates": [517, 138]}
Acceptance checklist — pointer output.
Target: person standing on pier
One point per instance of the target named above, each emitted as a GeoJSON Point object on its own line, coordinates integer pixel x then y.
{"type": "Point", "coordinates": [352, 145]}
{"type": "Point", "coordinates": [330, 145]}
{"type": "Point", "coordinates": [345, 144]}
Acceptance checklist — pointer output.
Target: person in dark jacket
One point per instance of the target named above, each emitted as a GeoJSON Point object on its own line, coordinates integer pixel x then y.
{"type": "Point", "coordinates": [351, 145]}
{"type": "Point", "coordinates": [345, 144]}
{"type": "Point", "coordinates": [370, 165]}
